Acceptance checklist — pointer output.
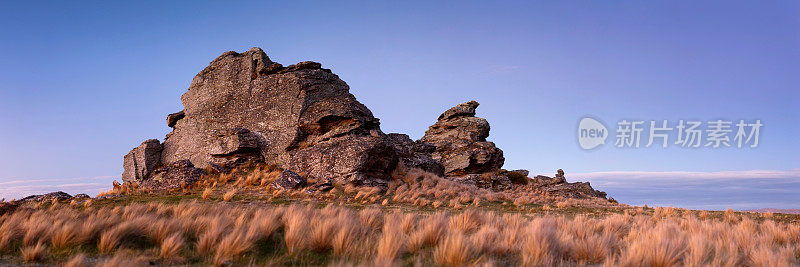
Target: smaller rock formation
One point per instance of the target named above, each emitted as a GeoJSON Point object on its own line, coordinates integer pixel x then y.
{"type": "Point", "coordinates": [559, 185]}
{"type": "Point", "coordinates": [141, 161]}
{"type": "Point", "coordinates": [459, 141]}
{"type": "Point", "coordinates": [60, 196]}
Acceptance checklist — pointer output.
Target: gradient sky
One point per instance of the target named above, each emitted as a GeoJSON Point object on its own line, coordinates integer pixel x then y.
{"type": "Point", "coordinates": [81, 84]}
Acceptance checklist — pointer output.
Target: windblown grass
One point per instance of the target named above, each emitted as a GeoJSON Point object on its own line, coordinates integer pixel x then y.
{"type": "Point", "coordinates": [222, 232]}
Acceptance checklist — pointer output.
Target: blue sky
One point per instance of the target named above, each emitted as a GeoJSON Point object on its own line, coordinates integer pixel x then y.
{"type": "Point", "coordinates": [81, 84]}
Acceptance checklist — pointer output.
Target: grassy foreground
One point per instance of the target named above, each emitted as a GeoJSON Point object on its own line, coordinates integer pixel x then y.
{"type": "Point", "coordinates": [235, 220]}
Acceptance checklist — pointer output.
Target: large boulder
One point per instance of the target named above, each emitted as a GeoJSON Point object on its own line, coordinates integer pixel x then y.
{"type": "Point", "coordinates": [459, 141]}
{"type": "Point", "coordinates": [245, 108]}
{"type": "Point", "coordinates": [141, 161]}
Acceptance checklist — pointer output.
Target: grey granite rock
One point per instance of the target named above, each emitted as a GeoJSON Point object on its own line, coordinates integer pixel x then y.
{"type": "Point", "coordinates": [141, 161]}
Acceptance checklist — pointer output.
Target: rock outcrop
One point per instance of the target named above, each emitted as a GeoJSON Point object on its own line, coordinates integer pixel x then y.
{"type": "Point", "coordinates": [459, 141]}
{"type": "Point", "coordinates": [559, 186]}
{"type": "Point", "coordinates": [245, 108]}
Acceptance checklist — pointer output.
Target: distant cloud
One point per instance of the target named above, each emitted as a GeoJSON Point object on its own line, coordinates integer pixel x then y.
{"type": "Point", "coordinates": [752, 174]}
{"type": "Point", "coordinates": [751, 189]}
{"type": "Point", "coordinates": [21, 188]}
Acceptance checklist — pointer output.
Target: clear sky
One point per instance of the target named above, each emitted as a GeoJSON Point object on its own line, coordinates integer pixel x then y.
{"type": "Point", "coordinates": [83, 83]}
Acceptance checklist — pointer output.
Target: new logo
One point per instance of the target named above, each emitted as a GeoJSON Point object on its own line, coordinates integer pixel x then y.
{"type": "Point", "coordinates": [591, 133]}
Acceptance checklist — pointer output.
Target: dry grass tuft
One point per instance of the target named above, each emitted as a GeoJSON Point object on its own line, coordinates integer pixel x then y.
{"type": "Point", "coordinates": [392, 240]}
{"type": "Point", "coordinates": [541, 246]}
{"type": "Point", "coordinates": [296, 225]}
{"type": "Point", "coordinates": [171, 246]}
{"type": "Point", "coordinates": [432, 229]}
{"type": "Point", "coordinates": [65, 235]}
{"type": "Point", "coordinates": [33, 253]}
{"type": "Point", "coordinates": [229, 195]}
{"type": "Point", "coordinates": [207, 193]}
{"type": "Point", "coordinates": [455, 250]}
{"type": "Point", "coordinates": [239, 241]}
{"type": "Point", "coordinates": [111, 239]}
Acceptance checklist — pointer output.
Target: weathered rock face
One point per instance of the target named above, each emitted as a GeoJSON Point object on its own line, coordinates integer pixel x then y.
{"type": "Point", "coordinates": [245, 108]}
{"type": "Point", "coordinates": [141, 161]}
{"type": "Point", "coordinates": [459, 140]}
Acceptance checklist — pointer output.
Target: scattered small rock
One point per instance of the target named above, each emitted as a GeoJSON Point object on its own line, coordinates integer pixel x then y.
{"type": "Point", "coordinates": [289, 180]}
{"type": "Point", "coordinates": [324, 185]}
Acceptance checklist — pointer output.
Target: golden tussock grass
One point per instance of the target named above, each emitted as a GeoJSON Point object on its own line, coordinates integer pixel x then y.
{"type": "Point", "coordinates": [207, 193]}
{"type": "Point", "coordinates": [128, 230]}
{"type": "Point", "coordinates": [33, 253]}
{"type": "Point", "coordinates": [454, 250]}
{"type": "Point", "coordinates": [172, 246]}
{"type": "Point", "coordinates": [222, 233]}
{"type": "Point", "coordinates": [392, 240]}
{"type": "Point", "coordinates": [237, 242]}
{"type": "Point", "coordinates": [228, 196]}
{"type": "Point", "coordinates": [295, 227]}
